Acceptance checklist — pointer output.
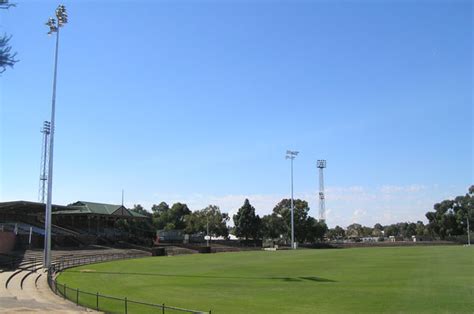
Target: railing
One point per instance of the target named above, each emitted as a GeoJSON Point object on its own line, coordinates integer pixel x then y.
{"type": "Point", "coordinates": [101, 302]}
{"type": "Point", "coordinates": [20, 263]}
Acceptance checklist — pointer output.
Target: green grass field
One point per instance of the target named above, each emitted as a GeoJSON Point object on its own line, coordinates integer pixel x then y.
{"type": "Point", "coordinates": [377, 280]}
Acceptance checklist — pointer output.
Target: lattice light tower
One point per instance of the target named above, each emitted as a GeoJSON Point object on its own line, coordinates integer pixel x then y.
{"type": "Point", "coordinates": [44, 162]}
{"type": "Point", "coordinates": [321, 164]}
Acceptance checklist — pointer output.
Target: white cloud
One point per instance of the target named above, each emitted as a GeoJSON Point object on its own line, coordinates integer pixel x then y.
{"type": "Point", "coordinates": [358, 215]}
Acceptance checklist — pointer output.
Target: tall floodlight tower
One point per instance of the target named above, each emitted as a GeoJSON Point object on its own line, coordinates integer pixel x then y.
{"type": "Point", "coordinates": [44, 161]}
{"type": "Point", "coordinates": [322, 206]}
{"type": "Point", "coordinates": [54, 27]}
{"type": "Point", "coordinates": [291, 155]}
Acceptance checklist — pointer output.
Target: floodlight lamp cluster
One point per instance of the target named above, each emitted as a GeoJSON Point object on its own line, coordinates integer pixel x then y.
{"type": "Point", "coordinates": [46, 127]}
{"type": "Point", "coordinates": [62, 18]}
{"type": "Point", "coordinates": [291, 154]}
{"type": "Point", "coordinates": [321, 163]}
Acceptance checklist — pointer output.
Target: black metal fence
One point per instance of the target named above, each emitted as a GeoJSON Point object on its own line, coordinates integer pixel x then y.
{"type": "Point", "coordinates": [101, 302]}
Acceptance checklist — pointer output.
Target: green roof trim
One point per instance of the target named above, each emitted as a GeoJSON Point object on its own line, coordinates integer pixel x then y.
{"type": "Point", "coordinates": [98, 208]}
{"type": "Point", "coordinates": [83, 207]}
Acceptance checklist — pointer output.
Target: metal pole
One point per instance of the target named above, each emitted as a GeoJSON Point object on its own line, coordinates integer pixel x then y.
{"type": "Point", "coordinates": [468, 233]}
{"type": "Point", "coordinates": [47, 235]}
{"type": "Point", "coordinates": [29, 238]}
{"type": "Point", "coordinates": [292, 210]}
{"type": "Point", "coordinates": [207, 227]}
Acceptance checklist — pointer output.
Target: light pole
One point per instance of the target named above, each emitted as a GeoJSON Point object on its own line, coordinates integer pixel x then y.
{"type": "Point", "coordinates": [54, 27]}
{"type": "Point", "coordinates": [468, 231]}
{"type": "Point", "coordinates": [207, 228]}
{"type": "Point", "coordinates": [291, 155]}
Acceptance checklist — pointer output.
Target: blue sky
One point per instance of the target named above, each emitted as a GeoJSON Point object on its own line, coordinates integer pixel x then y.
{"type": "Point", "coordinates": [197, 101]}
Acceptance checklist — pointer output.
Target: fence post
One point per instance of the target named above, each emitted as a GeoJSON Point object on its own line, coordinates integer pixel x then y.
{"type": "Point", "coordinates": [125, 305]}
{"type": "Point", "coordinates": [65, 291]}
{"type": "Point", "coordinates": [77, 296]}
{"type": "Point", "coordinates": [97, 302]}
{"type": "Point", "coordinates": [163, 308]}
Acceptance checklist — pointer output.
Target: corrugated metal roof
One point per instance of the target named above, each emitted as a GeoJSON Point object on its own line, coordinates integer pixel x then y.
{"type": "Point", "coordinates": [80, 207]}
{"type": "Point", "coordinates": [97, 208]}
{"type": "Point", "coordinates": [100, 208]}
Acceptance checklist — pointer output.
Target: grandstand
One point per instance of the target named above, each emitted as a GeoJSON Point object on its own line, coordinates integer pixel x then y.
{"type": "Point", "coordinates": [79, 224]}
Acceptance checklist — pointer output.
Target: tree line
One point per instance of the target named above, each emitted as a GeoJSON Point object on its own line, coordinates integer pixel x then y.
{"type": "Point", "coordinates": [448, 219]}
{"type": "Point", "coordinates": [247, 224]}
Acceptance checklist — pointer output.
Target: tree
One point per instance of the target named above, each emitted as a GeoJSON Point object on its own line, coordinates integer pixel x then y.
{"type": "Point", "coordinates": [168, 218]}
{"type": "Point", "coordinates": [367, 231]}
{"type": "Point", "coordinates": [449, 217]}
{"type": "Point", "coordinates": [300, 213]}
{"type": "Point", "coordinates": [336, 234]}
{"type": "Point", "coordinates": [354, 231]}
{"type": "Point", "coordinates": [392, 230]}
{"type": "Point", "coordinates": [273, 226]}
{"type": "Point", "coordinates": [157, 210]}
{"type": "Point", "coordinates": [198, 221]}
{"type": "Point", "coordinates": [315, 230]}
{"type": "Point", "coordinates": [139, 209]}
{"type": "Point", "coordinates": [246, 223]}
{"type": "Point", "coordinates": [377, 231]}
{"type": "Point", "coordinates": [177, 213]}
{"type": "Point", "coordinates": [7, 58]}
{"type": "Point", "coordinates": [421, 229]}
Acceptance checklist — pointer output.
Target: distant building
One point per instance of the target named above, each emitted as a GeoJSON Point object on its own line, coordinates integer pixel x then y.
{"type": "Point", "coordinates": [369, 239]}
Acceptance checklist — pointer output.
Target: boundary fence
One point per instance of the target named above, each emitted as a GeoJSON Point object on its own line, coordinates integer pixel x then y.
{"type": "Point", "coordinates": [101, 302]}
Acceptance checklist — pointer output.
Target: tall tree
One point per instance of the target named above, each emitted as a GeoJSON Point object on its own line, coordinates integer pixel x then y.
{"type": "Point", "coordinates": [315, 230]}
{"type": "Point", "coordinates": [159, 209]}
{"type": "Point", "coordinates": [449, 217]}
{"type": "Point", "coordinates": [211, 217]}
{"type": "Point", "coordinates": [168, 218]}
{"type": "Point", "coordinates": [300, 213]}
{"type": "Point", "coordinates": [246, 223]}
{"type": "Point", "coordinates": [273, 226]}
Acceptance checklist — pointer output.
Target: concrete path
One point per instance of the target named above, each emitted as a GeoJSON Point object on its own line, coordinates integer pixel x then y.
{"type": "Point", "coordinates": [28, 292]}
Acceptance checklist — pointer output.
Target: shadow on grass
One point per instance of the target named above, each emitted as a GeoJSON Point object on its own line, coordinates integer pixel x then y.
{"type": "Point", "coordinates": [288, 279]}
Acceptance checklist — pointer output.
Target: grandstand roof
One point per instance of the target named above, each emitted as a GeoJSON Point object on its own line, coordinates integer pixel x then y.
{"type": "Point", "coordinates": [21, 207]}
{"type": "Point", "coordinates": [83, 207]}
{"type": "Point", "coordinates": [80, 207]}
